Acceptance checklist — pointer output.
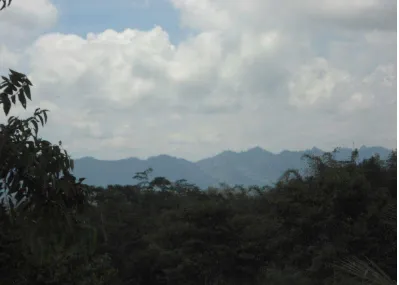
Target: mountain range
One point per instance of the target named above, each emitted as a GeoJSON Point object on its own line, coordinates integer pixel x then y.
{"type": "Point", "coordinates": [255, 166]}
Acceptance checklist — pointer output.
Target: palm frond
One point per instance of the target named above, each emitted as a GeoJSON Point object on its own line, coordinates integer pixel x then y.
{"type": "Point", "coordinates": [367, 271]}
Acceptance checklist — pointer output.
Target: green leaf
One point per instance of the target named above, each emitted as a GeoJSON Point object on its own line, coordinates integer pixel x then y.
{"type": "Point", "coordinates": [41, 120]}
{"type": "Point", "coordinates": [17, 73]}
{"type": "Point", "coordinates": [9, 89]}
{"type": "Point", "coordinates": [6, 104]}
{"type": "Point", "coordinates": [15, 80]}
{"type": "Point", "coordinates": [28, 81]}
{"type": "Point", "coordinates": [27, 91]}
{"type": "Point", "coordinates": [45, 115]}
{"type": "Point", "coordinates": [22, 98]}
{"type": "Point", "coordinates": [34, 122]}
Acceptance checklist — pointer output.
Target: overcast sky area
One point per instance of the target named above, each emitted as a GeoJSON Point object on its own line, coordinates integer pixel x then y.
{"type": "Point", "coordinates": [191, 78]}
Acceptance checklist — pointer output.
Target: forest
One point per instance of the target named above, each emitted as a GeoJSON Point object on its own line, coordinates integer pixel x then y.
{"type": "Point", "coordinates": [335, 225]}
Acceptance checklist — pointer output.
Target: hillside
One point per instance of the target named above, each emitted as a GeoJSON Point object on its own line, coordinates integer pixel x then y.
{"type": "Point", "coordinates": [255, 166]}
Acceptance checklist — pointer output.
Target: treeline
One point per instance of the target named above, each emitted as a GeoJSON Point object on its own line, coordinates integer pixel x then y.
{"type": "Point", "coordinates": [301, 231]}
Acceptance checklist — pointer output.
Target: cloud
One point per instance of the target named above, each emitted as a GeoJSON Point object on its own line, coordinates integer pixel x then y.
{"type": "Point", "coordinates": [314, 82]}
{"type": "Point", "coordinates": [20, 24]}
{"type": "Point", "coordinates": [269, 73]}
{"type": "Point", "coordinates": [309, 15]}
{"type": "Point", "coordinates": [24, 20]}
{"type": "Point", "coordinates": [354, 15]}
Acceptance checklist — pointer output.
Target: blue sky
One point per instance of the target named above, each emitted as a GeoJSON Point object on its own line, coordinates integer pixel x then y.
{"type": "Point", "coordinates": [82, 17]}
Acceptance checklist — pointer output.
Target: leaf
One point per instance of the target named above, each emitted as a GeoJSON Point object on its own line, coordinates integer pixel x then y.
{"type": "Point", "coordinates": [27, 91]}
{"type": "Point", "coordinates": [41, 120]}
{"type": "Point", "coordinates": [13, 99]}
{"type": "Point", "coordinates": [22, 98]}
{"type": "Point", "coordinates": [28, 81]}
{"type": "Point", "coordinates": [15, 80]}
{"type": "Point", "coordinates": [4, 4]}
{"type": "Point", "coordinates": [34, 122]}
{"type": "Point", "coordinates": [17, 73]}
{"type": "Point", "coordinates": [6, 104]}
{"type": "Point", "coordinates": [9, 89]}
{"type": "Point", "coordinates": [45, 115]}
{"type": "Point", "coordinates": [9, 179]}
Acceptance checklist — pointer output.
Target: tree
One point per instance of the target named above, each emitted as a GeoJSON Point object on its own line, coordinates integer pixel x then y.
{"type": "Point", "coordinates": [34, 172]}
{"type": "Point", "coordinates": [44, 231]}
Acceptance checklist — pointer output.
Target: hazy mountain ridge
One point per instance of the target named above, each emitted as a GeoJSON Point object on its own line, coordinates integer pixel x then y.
{"type": "Point", "coordinates": [255, 166]}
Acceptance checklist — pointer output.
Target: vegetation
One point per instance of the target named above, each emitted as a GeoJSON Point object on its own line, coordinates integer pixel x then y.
{"type": "Point", "coordinates": [331, 227]}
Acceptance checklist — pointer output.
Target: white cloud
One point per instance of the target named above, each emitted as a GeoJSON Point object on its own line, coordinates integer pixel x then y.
{"type": "Point", "coordinates": [315, 82]}
{"type": "Point", "coordinates": [269, 73]}
{"type": "Point", "coordinates": [309, 15]}
{"type": "Point", "coordinates": [26, 19]}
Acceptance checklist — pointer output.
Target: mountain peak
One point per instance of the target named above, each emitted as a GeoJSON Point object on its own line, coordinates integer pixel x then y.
{"type": "Point", "coordinates": [228, 152]}
{"type": "Point", "coordinates": [256, 149]}
{"type": "Point", "coordinates": [87, 158]}
{"type": "Point", "coordinates": [162, 156]}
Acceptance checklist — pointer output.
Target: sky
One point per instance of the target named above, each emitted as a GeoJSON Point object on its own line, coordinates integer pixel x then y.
{"type": "Point", "coordinates": [192, 78]}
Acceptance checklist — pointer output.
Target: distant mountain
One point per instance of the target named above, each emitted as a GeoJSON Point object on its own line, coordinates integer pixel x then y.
{"type": "Point", "coordinates": [255, 166]}
{"type": "Point", "coordinates": [106, 172]}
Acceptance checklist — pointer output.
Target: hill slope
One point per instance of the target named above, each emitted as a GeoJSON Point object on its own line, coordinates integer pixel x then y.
{"type": "Point", "coordinates": [253, 167]}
